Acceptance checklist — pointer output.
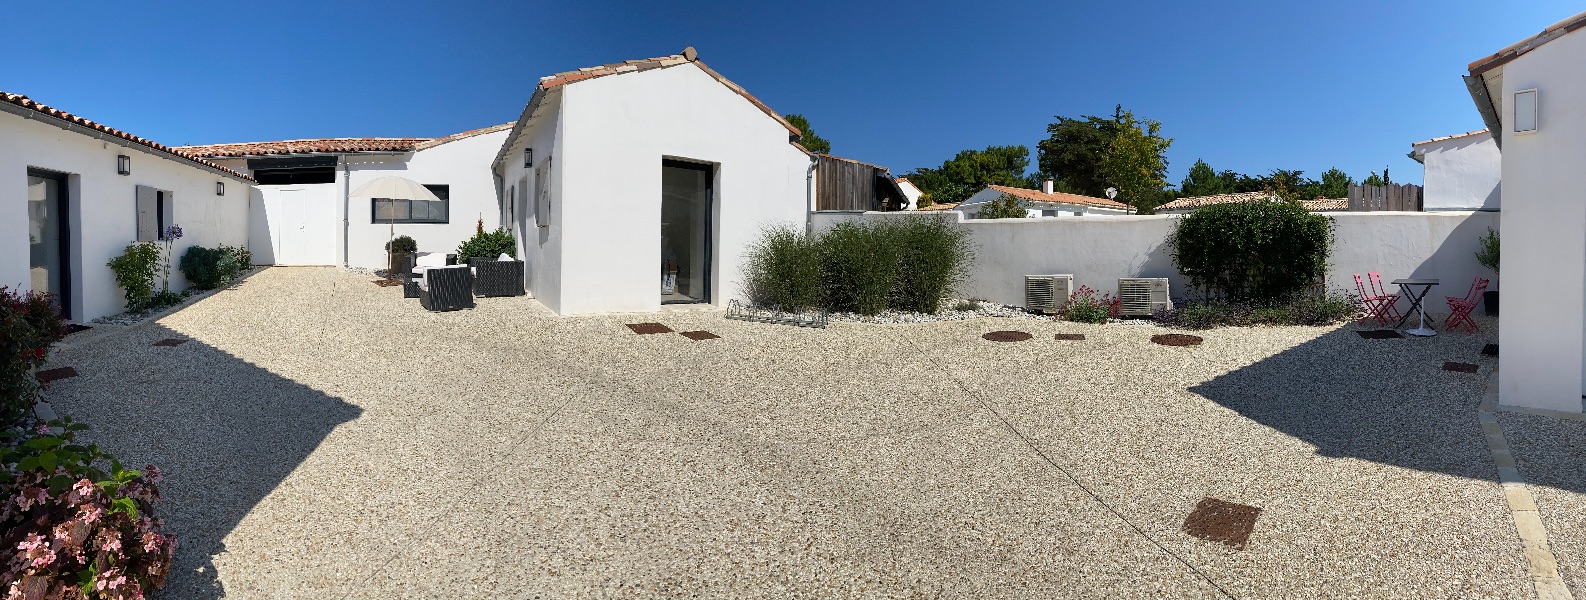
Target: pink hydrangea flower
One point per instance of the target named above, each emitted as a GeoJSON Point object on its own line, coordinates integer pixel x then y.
{"type": "Point", "coordinates": [31, 496]}
{"type": "Point", "coordinates": [90, 513]}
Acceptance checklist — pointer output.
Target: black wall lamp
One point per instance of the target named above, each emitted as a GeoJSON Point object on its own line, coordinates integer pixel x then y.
{"type": "Point", "coordinates": [123, 164]}
{"type": "Point", "coordinates": [528, 157]}
{"type": "Point", "coordinates": [220, 188]}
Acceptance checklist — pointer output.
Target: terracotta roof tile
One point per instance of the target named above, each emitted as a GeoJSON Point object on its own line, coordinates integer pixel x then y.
{"type": "Point", "coordinates": [939, 207]}
{"type": "Point", "coordinates": [1194, 202]}
{"type": "Point", "coordinates": [1325, 204]}
{"type": "Point", "coordinates": [1552, 32]}
{"type": "Point", "coordinates": [464, 135]}
{"type": "Point", "coordinates": [308, 146]}
{"type": "Point", "coordinates": [1449, 137]}
{"type": "Point", "coordinates": [25, 102]}
{"type": "Point", "coordinates": [1059, 197]}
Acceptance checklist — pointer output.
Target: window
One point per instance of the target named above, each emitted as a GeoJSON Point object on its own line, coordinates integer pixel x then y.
{"type": "Point", "coordinates": [1525, 111]}
{"type": "Point", "coordinates": [383, 210]}
{"type": "Point", "coordinates": [295, 176]}
{"type": "Point", "coordinates": [155, 211]}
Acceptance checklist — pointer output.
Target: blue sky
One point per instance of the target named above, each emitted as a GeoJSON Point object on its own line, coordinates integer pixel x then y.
{"type": "Point", "coordinates": [1249, 86]}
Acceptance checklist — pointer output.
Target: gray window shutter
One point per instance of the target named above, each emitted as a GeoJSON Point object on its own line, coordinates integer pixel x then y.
{"type": "Point", "coordinates": [167, 211]}
{"type": "Point", "coordinates": [148, 214]}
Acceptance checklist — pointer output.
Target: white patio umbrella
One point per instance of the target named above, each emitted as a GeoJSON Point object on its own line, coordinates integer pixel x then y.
{"type": "Point", "coordinates": [393, 188]}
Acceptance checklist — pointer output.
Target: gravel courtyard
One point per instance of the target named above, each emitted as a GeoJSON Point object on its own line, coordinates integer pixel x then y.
{"type": "Point", "coordinates": [325, 438]}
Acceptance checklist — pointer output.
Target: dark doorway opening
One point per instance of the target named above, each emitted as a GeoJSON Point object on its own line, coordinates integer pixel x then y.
{"type": "Point", "coordinates": [49, 237]}
{"type": "Point", "coordinates": [686, 196]}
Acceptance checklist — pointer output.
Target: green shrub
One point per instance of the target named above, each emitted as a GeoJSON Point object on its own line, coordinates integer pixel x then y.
{"type": "Point", "coordinates": [1252, 251]}
{"type": "Point", "coordinates": [1084, 307]}
{"type": "Point", "coordinates": [783, 270]}
{"type": "Point", "coordinates": [29, 325]}
{"type": "Point", "coordinates": [404, 243]}
{"type": "Point", "coordinates": [858, 267]}
{"type": "Point", "coordinates": [1488, 255]}
{"type": "Point", "coordinates": [933, 258]}
{"type": "Point", "coordinates": [1298, 310]}
{"type": "Point", "coordinates": [209, 268]}
{"type": "Point", "coordinates": [1004, 207]}
{"type": "Point", "coordinates": [135, 270]}
{"type": "Point", "coordinates": [241, 255]}
{"type": "Point", "coordinates": [487, 243]}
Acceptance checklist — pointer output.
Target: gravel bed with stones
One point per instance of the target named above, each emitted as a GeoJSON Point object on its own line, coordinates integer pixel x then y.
{"type": "Point", "coordinates": [1551, 455]}
{"type": "Point", "coordinates": [190, 296]}
{"type": "Point", "coordinates": [323, 437]}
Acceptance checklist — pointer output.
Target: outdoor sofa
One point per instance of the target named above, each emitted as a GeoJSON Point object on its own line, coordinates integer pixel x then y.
{"type": "Point", "coordinates": [446, 288]}
{"type": "Point", "coordinates": [497, 277]}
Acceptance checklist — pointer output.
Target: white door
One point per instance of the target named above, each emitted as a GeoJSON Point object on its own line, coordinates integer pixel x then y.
{"type": "Point", "coordinates": [302, 222]}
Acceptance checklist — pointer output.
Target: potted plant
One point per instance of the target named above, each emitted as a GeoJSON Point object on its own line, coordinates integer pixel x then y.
{"type": "Point", "coordinates": [400, 249]}
{"type": "Point", "coordinates": [1487, 255]}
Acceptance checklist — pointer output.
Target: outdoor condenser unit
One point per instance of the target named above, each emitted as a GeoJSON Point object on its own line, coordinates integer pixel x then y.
{"type": "Point", "coordinates": [1143, 296]}
{"type": "Point", "coordinates": [1047, 293]}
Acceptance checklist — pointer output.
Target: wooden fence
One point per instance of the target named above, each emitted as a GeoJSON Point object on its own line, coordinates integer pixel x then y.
{"type": "Point", "coordinates": [1365, 198]}
{"type": "Point", "coordinates": [843, 184]}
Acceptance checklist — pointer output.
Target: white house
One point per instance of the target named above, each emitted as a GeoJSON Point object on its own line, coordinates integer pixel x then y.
{"type": "Point", "coordinates": [74, 193]}
{"type": "Point", "coordinates": [309, 217]}
{"type": "Point", "coordinates": [910, 192]}
{"type": "Point", "coordinates": [640, 183]}
{"type": "Point", "coordinates": [1191, 204]}
{"type": "Point", "coordinates": [1462, 171]}
{"type": "Point", "coordinates": [1043, 202]}
{"type": "Point", "coordinates": [1530, 95]}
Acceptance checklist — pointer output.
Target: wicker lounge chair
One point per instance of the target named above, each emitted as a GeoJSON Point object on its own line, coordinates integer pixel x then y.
{"type": "Point", "coordinates": [447, 288]}
{"type": "Point", "coordinates": [495, 278]}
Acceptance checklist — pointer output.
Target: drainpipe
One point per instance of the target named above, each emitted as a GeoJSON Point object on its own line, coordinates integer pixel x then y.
{"type": "Point", "coordinates": [346, 214]}
{"type": "Point", "coordinates": [809, 197]}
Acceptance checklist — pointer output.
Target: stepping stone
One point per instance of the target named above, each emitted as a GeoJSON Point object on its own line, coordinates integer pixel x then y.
{"type": "Point", "coordinates": [74, 328]}
{"type": "Point", "coordinates": [170, 342]}
{"type": "Point", "coordinates": [1489, 350]}
{"type": "Point", "coordinates": [1459, 367]}
{"type": "Point", "coordinates": [56, 374]}
{"type": "Point", "coordinates": [649, 328]}
{"type": "Point", "coordinates": [1176, 339]}
{"type": "Point", "coordinates": [1214, 520]}
{"type": "Point", "coordinates": [1007, 336]}
{"type": "Point", "coordinates": [388, 282]}
{"type": "Point", "coordinates": [699, 335]}
{"type": "Point", "coordinates": [1380, 334]}
{"type": "Point", "coordinates": [1077, 337]}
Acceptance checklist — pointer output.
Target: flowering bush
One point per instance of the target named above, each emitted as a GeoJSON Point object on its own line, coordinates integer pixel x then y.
{"type": "Point", "coordinates": [71, 530]}
{"type": "Point", "coordinates": [29, 324]}
{"type": "Point", "coordinates": [1083, 306]}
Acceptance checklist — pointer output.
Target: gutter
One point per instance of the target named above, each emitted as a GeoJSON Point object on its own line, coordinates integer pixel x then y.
{"type": "Point", "coordinates": [809, 196]}
{"type": "Point", "coordinates": [29, 114]}
{"type": "Point", "coordinates": [346, 215]}
{"type": "Point", "coordinates": [1477, 86]}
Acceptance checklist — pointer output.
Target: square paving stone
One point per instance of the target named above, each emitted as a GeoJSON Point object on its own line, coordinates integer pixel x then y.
{"type": "Point", "coordinates": [170, 342]}
{"type": "Point", "coordinates": [56, 374]}
{"type": "Point", "coordinates": [700, 335]}
{"type": "Point", "coordinates": [1459, 367]}
{"type": "Point", "coordinates": [649, 328]}
{"type": "Point", "coordinates": [1380, 334]}
{"type": "Point", "coordinates": [1214, 520]}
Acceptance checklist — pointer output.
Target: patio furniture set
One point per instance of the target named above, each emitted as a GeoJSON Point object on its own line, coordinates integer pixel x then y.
{"type": "Point", "coordinates": [1383, 307]}
{"type": "Point", "coordinates": [441, 284]}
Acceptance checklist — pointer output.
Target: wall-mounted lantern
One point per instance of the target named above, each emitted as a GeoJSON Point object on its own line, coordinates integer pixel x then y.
{"type": "Point", "coordinates": [123, 164]}
{"type": "Point", "coordinates": [528, 157]}
{"type": "Point", "coordinates": [220, 188]}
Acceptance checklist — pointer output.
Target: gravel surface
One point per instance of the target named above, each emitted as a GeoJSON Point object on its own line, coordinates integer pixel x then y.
{"type": "Point", "coordinates": [190, 296]}
{"type": "Point", "coordinates": [1551, 454]}
{"type": "Point", "coordinates": [324, 437]}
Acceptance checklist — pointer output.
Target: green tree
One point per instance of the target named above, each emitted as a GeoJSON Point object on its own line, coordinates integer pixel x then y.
{"type": "Point", "coordinates": [1004, 207]}
{"type": "Point", "coordinates": [1377, 180]}
{"type": "Point", "coordinates": [1335, 184]}
{"type": "Point", "coordinates": [1203, 181]}
{"type": "Point", "coordinates": [972, 170]}
{"type": "Point", "coordinates": [808, 139]}
{"type": "Point", "coordinates": [1133, 161]}
{"type": "Point", "coordinates": [1072, 152]}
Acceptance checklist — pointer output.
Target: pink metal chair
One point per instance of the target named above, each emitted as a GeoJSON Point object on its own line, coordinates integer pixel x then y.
{"type": "Point", "coordinates": [1376, 305]}
{"type": "Point", "coordinates": [1392, 300]}
{"type": "Point", "coordinates": [1461, 307]}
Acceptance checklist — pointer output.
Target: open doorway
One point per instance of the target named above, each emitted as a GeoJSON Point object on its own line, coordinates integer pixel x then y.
{"type": "Point", "coordinates": [686, 195]}
{"type": "Point", "coordinates": [49, 238]}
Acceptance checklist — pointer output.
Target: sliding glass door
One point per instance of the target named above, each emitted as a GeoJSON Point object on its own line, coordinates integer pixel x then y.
{"type": "Point", "coordinates": [685, 232]}
{"type": "Point", "coordinates": [48, 244]}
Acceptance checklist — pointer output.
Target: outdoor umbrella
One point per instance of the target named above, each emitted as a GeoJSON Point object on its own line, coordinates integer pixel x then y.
{"type": "Point", "coordinates": [393, 188]}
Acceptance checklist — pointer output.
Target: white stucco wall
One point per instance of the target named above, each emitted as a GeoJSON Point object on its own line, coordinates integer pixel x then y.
{"type": "Point", "coordinates": [910, 193]}
{"type": "Point", "coordinates": [464, 165]}
{"type": "Point", "coordinates": [616, 130]}
{"type": "Point", "coordinates": [1099, 250]}
{"type": "Point", "coordinates": [1462, 173]}
{"type": "Point", "coordinates": [103, 207]}
{"type": "Point", "coordinates": [1544, 253]}
{"type": "Point", "coordinates": [539, 247]}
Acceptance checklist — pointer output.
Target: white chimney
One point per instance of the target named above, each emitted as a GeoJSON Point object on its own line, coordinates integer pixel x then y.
{"type": "Point", "coordinates": [1046, 186]}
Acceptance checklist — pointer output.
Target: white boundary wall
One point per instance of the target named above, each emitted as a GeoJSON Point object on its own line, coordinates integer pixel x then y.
{"type": "Point", "coordinates": [1099, 250]}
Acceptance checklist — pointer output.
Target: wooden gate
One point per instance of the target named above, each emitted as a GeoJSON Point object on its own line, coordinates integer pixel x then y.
{"type": "Point", "coordinates": [1406, 197]}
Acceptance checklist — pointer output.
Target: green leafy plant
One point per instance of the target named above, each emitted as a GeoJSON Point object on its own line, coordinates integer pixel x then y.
{"type": "Point", "coordinates": [403, 243]}
{"type": "Point", "coordinates": [135, 269]}
{"type": "Point", "coordinates": [209, 268]}
{"type": "Point", "coordinates": [1488, 253]}
{"type": "Point", "coordinates": [933, 256]}
{"type": "Point", "coordinates": [489, 244]}
{"type": "Point", "coordinates": [241, 255]}
{"type": "Point", "coordinates": [784, 270]}
{"type": "Point", "coordinates": [858, 267]}
{"type": "Point", "coordinates": [71, 528]}
{"type": "Point", "coordinates": [1084, 307]}
{"type": "Point", "coordinates": [29, 325]}
{"type": "Point", "coordinates": [1004, 207]}
{"type": "Point", "coordinates": [1252, 251]}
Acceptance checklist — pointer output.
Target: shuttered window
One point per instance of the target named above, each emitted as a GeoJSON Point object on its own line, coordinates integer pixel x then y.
{"type": "Point", "coordinates": [383, 210]}
{"type": "Point", "coordinates": [156, 210]}
{"type": "Point", "coordinates": [542, 193]}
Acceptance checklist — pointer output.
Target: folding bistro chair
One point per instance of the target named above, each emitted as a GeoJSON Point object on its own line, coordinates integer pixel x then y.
{"type": "Point", "coordinates": [1461, 307]}
{"type": "Point", "coordinates": [1376, 305]}
{"type": "Point", "coordinates": [1392, 300]}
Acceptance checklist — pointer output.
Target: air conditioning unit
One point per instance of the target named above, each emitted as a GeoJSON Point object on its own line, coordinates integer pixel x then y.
{"type": "Point", "coordinates": [1047, 293]}
{"type": "Point", "coordinates": [1143, 296]}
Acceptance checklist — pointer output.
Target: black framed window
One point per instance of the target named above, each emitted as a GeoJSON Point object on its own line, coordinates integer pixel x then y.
{"type": "Point", "coordinates": [384, 210]}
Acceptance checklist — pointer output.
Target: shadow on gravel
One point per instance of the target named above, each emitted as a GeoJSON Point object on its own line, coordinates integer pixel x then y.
{"type": "Point", "coordinates": [1387, 401]}
{"type": "Point", "coordinates": [225, 432]}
